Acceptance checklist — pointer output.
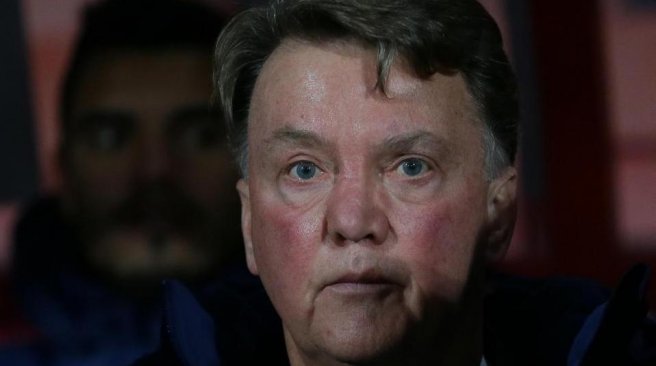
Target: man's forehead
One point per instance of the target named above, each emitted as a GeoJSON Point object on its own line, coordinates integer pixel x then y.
{"type": "Point", "coordinates": [120, 78]}
{"type": "Point", "coordinates": [307, 62]}
{"type": "Point", "coordinates": [304, 80]}
{"type": "Point", "coordinates": [111, 63]}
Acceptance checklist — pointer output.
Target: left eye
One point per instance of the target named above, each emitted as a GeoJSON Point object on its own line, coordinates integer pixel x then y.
{"type": "Point", "coordinates": [199, 137]}
{"type": "Point", "coordinates": [412, 167]}
{"type": "Point", "coordinates": [303, 170]}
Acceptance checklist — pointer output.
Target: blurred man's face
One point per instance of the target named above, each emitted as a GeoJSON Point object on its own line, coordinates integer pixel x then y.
{"type": "Point", "coordinates": [149, 180]}
{"type": "Point", "coordinates": [362, 212]}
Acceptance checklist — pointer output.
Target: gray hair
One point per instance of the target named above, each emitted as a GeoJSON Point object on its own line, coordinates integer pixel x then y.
{"type": "Point", "coordinates": [431, 35]}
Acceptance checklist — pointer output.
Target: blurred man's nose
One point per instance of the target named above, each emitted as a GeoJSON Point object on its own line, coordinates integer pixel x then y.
{"type": "Point", "coordinates": [355, 213]}
{"type": "Point", "coordinates": [153, 157]}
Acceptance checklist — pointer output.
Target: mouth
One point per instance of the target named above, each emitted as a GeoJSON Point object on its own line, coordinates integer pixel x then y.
{"type": "Point", "coordinates": [368, 282]}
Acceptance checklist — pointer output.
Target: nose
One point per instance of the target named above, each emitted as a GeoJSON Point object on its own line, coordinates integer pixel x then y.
{"type": "Point", "coordinates": [153, 160]}
{"type": "Point", "coordinates": [355, 213]}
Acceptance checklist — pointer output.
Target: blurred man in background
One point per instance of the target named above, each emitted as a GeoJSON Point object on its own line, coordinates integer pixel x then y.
{"type": "Point", "coordinates": [148, 188]}
{"type": "Point", "coordinates": [148, 179]}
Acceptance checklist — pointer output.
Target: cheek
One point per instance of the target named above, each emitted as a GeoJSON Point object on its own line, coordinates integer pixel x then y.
{"type": "Point", "coordinates": [285, 244]}
{"type": "Point", "coordinates": [102, 181]}
{"type": "Point", "coordinates": [209, 180]}
{"type": "Point", "coordinates": [440, 242]}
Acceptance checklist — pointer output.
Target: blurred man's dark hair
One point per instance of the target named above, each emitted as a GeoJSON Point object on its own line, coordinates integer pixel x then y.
{"type": "Point", "coordinates": [141, 25]}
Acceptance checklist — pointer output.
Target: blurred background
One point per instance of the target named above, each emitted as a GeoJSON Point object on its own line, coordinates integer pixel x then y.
{"type": "Point", "coordinates": [587, 71]}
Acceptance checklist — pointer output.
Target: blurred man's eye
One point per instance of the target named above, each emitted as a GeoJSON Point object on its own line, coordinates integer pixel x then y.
{"type": "Point", "coordinates": [196, 131]}
{"type": "Point", "coordinates": [105, 132]}
{"type": "Point", "coordinates": [199, 137]}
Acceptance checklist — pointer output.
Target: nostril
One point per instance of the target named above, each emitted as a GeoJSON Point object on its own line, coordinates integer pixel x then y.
{"type": "Point", "coordinates": [342, 240]}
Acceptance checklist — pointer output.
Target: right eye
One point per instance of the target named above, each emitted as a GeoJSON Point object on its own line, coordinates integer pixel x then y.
{"type": "Point", "coordinates": [303, 170]}
{"type": "Point", "coordinates": [104, 132]}
{"type": "Point", "coordinates": [412, 167]}
{"type": "Point", "coordinates": [194, 130]}
{"type": "Point", "coordinates": [107, 138]}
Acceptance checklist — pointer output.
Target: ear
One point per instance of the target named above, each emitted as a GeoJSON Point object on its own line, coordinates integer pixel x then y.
{"type": "Point", "coordinates": [502, 213]}
{"type": "Point", "coordinates": [244, 196]}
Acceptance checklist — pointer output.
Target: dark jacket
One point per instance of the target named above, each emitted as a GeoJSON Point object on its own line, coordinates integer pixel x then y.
{"type": "Point", "coordinates": [56, 314]}
{"type": "Point", "coordinates": [232, 324]}
{"type": "Point", "coordinates": [572, 322]}
{"type": "Point", "coordinates": [537, 322]}
{"type": "Point", "coordinates": [70, 317]}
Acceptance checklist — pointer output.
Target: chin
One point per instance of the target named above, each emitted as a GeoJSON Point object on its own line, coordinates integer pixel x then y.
{"type": "Point", "coordinates": [382, 352]}
{"type": "Point", "coordinates": [365, 342]}
{"type": "Point", "coordinates": [390, 335]}
{"type": "Point", "coordinates": [134, 255]}
{"type": "Point", "coordinates": [360, 353]}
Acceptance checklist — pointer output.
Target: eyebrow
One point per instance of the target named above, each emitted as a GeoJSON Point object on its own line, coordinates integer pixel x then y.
{"type": "Point", "coordinates": [393, 145]}
{"type": "Point", "coordinates": [190, 110]}
{"type": "Point", "coordinates": [94, 117]}
{"type": "Point", "coordinates": [192, 113]}
{"type": "Point", "coordinates": [295, 137]}
{"type": "Point", "coordinates": [407, 142]}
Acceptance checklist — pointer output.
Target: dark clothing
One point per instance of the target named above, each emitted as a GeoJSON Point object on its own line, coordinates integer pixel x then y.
{"type": "Point", "coordinates": [71, 318]}
{"type": "Point", "coordinates": [548, 322]}
{"type": "Point", "coordinates": [74, 319]}
{"type": "Point", "coordinates": [569, 322]}
{"type": "Point", "coordinates": [232, 324]}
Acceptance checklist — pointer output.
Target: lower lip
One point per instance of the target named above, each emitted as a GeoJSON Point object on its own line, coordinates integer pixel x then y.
{"type": "Point", "coordinates": [360, 288]}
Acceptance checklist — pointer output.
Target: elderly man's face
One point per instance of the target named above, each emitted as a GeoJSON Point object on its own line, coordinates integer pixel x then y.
{"type": "Point", "coordinates": [149, 179]}
{"type": "Point", "coordinates": [361, 212]}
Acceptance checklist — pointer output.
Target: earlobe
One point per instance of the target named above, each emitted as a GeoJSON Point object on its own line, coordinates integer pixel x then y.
{"type": "Point", "coordinates": [244, 196]}
{"type": "Point", "coordinates": [502, 213]}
